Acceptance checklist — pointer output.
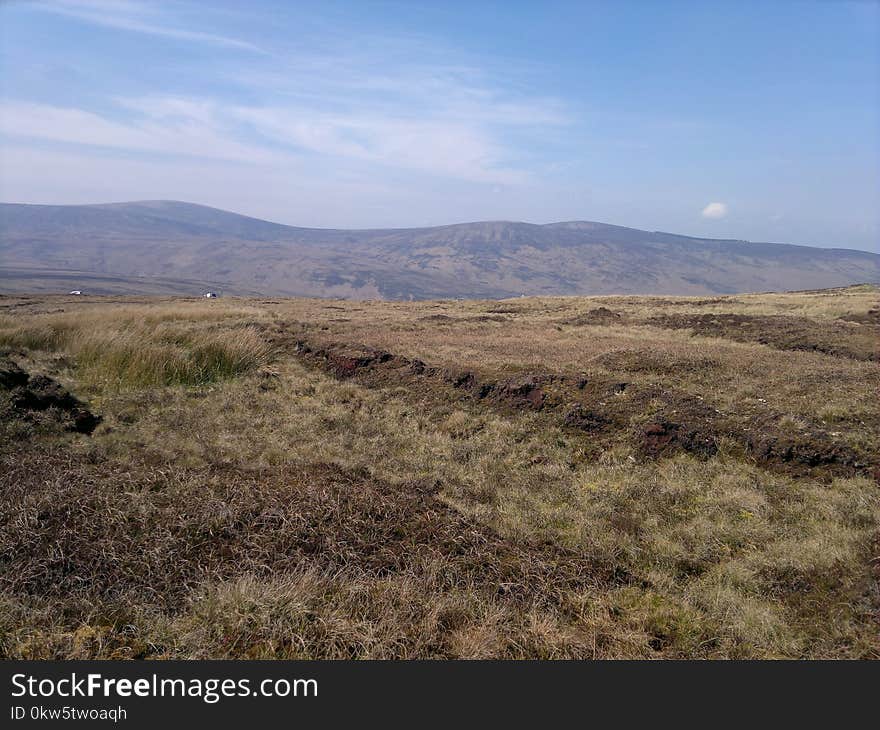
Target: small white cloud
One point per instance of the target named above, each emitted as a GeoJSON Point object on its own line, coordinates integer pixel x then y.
{"type": "Point", "coordinates": [715, 210]}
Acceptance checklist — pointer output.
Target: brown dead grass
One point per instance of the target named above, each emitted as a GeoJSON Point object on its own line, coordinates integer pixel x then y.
{"type": "Point", "coordinates": [859, 340]}
{"type": "Point", "coordinates": [126, 347]}
{"type": "Point", "coordinates": [276, 510]}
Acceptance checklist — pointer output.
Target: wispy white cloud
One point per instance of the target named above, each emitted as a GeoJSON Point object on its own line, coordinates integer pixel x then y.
{"type": "Point", "coordinates": [341, 79]}
{"type": "Point", "coordinates": [437, 146]}
{"type": "Point", "coordinates": [138, 17]}
{"type": "Point", "coordinates": [202, 128]}
{"type": "Point", "coordinates": [187, 135]}
{"type": "Point", "coordinates": [388, 110]}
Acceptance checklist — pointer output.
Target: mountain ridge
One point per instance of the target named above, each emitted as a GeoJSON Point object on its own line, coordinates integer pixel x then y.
{"type": "Point", "coordinates": [492, 259]}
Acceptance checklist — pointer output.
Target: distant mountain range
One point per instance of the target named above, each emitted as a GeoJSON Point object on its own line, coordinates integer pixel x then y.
{"type": "Point", "coordinates": [174, 247]}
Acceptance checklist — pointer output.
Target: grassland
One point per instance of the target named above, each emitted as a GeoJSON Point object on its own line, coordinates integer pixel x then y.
{"type": "Point", "coordinates": [555, 477]}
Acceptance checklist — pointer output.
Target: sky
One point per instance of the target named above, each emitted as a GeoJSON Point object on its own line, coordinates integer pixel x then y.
{"type": "Point", "coordinates": [747, 120]}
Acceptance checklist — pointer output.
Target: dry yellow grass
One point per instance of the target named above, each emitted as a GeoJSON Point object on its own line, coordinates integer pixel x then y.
{"type": "Point", "coordinates": [257, 506]}
{"type": "Point", "coordinates": [129, 347]}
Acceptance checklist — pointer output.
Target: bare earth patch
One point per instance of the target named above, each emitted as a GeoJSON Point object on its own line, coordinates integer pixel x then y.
{"type": "Point", "coordinates": [660, 420]}
{"type": "Point", "coordinates": [783, 332]}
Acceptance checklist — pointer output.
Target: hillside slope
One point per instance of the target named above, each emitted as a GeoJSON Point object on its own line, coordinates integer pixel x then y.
{"type": "Point", "coordinates": [182, 241]}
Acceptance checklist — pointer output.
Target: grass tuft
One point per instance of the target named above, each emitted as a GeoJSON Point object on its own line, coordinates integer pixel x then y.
{"type": "Point", "coordinates": [156, 350]}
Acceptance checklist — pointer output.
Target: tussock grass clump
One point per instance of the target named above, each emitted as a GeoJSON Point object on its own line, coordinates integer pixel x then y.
{"type": "Point", "coordinates": [124, 348]}
{"type": "Point", "coordinates": [39, 333]}
{"type": "Point", "coordinates": [130, 358]}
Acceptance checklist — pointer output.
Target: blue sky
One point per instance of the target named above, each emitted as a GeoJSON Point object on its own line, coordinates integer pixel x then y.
{"type": "Point", "coordinates": [734, 119]}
